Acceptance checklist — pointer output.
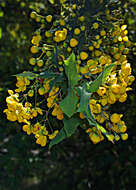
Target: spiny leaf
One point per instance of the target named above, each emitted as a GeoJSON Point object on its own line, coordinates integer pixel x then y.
{"type": "Point", "coordinates": [71, 71]}
{"type": "Point", "coordinates": [70, 126]}
{"type": "Point", "coordinates": [68, 105]}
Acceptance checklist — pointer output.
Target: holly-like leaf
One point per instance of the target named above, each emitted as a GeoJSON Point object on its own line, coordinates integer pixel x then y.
{"type": "Point", "coordinates": [93, 86]}
{"type": "Point", "coordinates": [68, 105]}
{"type": "Point", "coordinates": [71, 71]}
{"type": "Point", "coordinates": [70, 126]}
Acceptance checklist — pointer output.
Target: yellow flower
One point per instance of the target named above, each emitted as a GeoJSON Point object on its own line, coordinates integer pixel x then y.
{"type": "Point", "coordinates": [122, 128]}
{"type": "Point", "coordinates": [98, 53]}
{"type": "Point", "coordinates": [100, 119]}
{"type": "Point", "coordinates": [53, 135]}
{"type": "Point", "coordinates": [115, 118]}
{"type": "Point", "coordinates": [101, 91]}
{"type": "Point", "coordinates": [124, 136]}
{"type": "Point", "coordinates": [84, 70]}
{"type": "Point", "coordinates": [36, 39]}
{"type": "Point", "coordinates": [34, 113]}
{"type": "Point", "coordinates": [60, 35]}
{"type": "Point", "coordinates": [73, 42]}
{"type": "Point", "coordinates": [42, 140]}
{"type": "Point", "coordinates": [82, 28]}
{"type": "Point", "coordinates": [123, 27]}
{"type": "Point", "coordinates": [27, 129]}
{"type": "Point", "coordinates": [76, 31]}
{"type": "Point", "coordinates": [62, 22]}
{"type": "Point", "coordinates": [81, 18]}
{"type": "Point", "coordinates": [82, 116]}
{"type": "Point", "coordinates": [104, 101]}
{"type": "Point", "coordinates": [34, 49]}
{"type": "Point", "coordinates": [83, 55]}
{"type": "Point", "coordinates": [126, 69]}
{"type": "Point", "coordinates": [115, 88]}
{"type": "Point", "coordinates": [123, 97]}
{"type": "Point", "coordinates": [117, 137]}
{"type": "Point", "coordinates": [41, 91]}
{"type": "Point", "coordinates": [33, 14]}
{"type": "Point", "coordinates": [102, 33]}
{"type": "Point", "coordinates": [125, 38]}
{"type": "Point", "coordinates": [30, 93]}
{"type": "Point", "coordinates": [94, 138]}
{"type": "Point", "coordinates": [95, 25]}
{"type": "Point", "coordinates": [111, 98]}
{"type": "Point", "coordinates": [60, 116]}
{"type": "Point", "coordinates": [48, 34]}
{"type": "Point", "coordinates": [69, 49]}
{"type": "Point", "coordinates": [102, 60]}
{"type": "Point", "coordinates": [97, 37]}
{"type": "Point", "coordinates": [40, 63]}
{"type": "Point", "coordinates": [49, 18]}
{"type": "Point", "coordinates": [91, 48]}
{"type": "Point", "coordinates": [32, 61]}
{"type": "Point", "coordinates": [74, 6]}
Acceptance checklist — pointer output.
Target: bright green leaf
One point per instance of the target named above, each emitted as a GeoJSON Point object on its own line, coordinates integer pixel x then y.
{"type": "Point", "coordinates": [71, 71]}
{"type": "Point", "coordinates": [68, 105]}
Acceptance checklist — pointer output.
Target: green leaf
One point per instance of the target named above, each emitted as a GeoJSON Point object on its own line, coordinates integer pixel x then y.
{"type": "Point", "coordinates": [71, 71]}
{"type": "Point", "coordinates": [68, 105]}
{"type": "Point", "coordinates": [84, 101]}
{"type": "Point", "coordinates": [27, 74]}
{"type": "Point", "coordinates": [54, 57]}
{"type": "Point", "coordinates": [94, 86]}
{"type": "Point", "coordinates": [59, 137]}
{"type": "Point", "coordinates": [48, 74]}
{"type": "Point", "coordinates": [70, 126]}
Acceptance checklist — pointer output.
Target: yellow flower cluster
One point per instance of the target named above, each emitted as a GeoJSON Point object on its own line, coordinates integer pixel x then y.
{"type": "Point", "coordinates": [119, 82]}
{"type": "Point", "coordinates": [95, 135]}
{"type": "Point", "coordinates": [40, 132]}
{"type": "Point", "coordinates": [52, 104]}
{"type": "Point", "coordinates": [95, 45]}
{"type": "Point", "coordinates": [22, 83]}
{"type": "Point", "coordinates": [17, 112]}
